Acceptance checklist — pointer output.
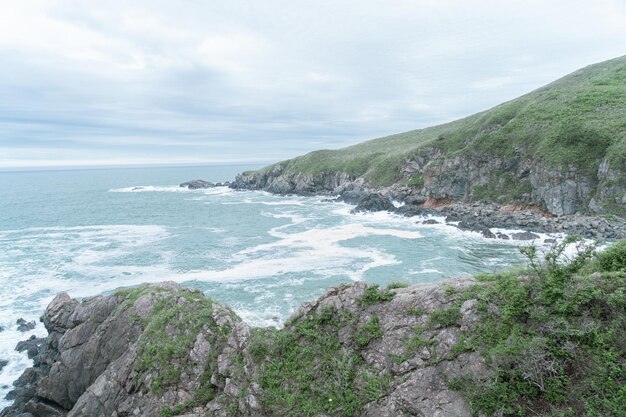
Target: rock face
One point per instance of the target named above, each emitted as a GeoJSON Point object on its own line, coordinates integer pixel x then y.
{"type": "Point", "coordinates": [161, 350]}
{"type": "Point", "coordinates": [550, 203]}
{"type": "Point", "coordinates": [101, 357]}
{"type": "Point", "coordinates": [469, 178]}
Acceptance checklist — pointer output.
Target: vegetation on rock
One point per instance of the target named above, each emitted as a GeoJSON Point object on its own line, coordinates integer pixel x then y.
{"type": "Point", "coordinates": [554, 337]}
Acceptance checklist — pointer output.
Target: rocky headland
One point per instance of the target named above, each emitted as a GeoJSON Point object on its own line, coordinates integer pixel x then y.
{"type": "Point", "coordinates": [553, 160]}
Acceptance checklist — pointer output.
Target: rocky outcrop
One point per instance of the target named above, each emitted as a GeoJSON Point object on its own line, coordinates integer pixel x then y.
{"type": "Point", "coordinates": [161, 350]}
{"type": "Point", "coordinates": [478, 217]}
{"type": "Point", "coordinates": [25, 326]}
{"type": "Point", "coordinates": [134, 353]}
{"type": "Point", "coordinates": [197, 184]}
{"type": "Point", "coordinates": [278, 180]}
{"type": "Point", "coordinates": [373, 202]}
{"type": "Point", "coordinates": [473, 177]}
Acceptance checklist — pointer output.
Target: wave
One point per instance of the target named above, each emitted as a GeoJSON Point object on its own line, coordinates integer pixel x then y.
{"type": "Point", "coordinates": [172, 189]}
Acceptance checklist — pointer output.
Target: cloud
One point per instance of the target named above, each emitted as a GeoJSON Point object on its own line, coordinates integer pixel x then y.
{"type": "Point", "coordinates": [83, 82]}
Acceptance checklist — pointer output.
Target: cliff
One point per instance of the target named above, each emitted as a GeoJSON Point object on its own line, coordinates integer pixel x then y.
{"type": "Point", "coordinates": [549, 340]}
{"type": "Point", "coordinates": [561, 148]}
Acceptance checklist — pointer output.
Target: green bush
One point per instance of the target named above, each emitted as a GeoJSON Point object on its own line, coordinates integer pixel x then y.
{"type": "Point", "coordinates": [445, 318]}
{"type": "Point", "coordinates": [553, 337]}
{"type": "Point", "coordinates": [374, 295]}
{"type": "Point", "coordinates": [397, 284]}
{"type": "Point", "coordinates": [613, 259]}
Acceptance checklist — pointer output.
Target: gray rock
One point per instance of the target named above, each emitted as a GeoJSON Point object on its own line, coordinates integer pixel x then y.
{"type": "Point", "coordinates": [3, 363]}
{"type": "Point", "coordinates": [524, 236]}
{"type": "Point", "coordinates": [197, 184]}
{"type": "Point", "coordinates": [25, 326]}
{"type": "Point", "coordinates": [374, 202]}
{"type": "Point", "coordinates": [31, 346]}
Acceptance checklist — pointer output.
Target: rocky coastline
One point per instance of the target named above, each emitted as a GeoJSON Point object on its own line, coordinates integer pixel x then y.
{"type": "Point", "coordinates": [482, 217]}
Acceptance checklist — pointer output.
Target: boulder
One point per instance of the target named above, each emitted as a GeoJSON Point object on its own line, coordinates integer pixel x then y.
{"type": "Point", "coordinates": [373, 202]}
{"type": "Point", "coordinates": [25, 326]}
{"type": "Point", "coordinates": [524, 236]}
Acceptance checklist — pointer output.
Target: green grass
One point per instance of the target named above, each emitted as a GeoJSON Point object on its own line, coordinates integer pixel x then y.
{"type": "Point", "coordinates": [374, 295]}
{"type": "Point", "coordinates": [397, 284]}
{"type": "Point", "coordinates": [304, 370]}
{"type": "Point", "coordinates": [444, 318]}
{"type": "Point", "coordinates": [169, 335]}
{"type": "Point", "coordinates": [368, 332]}
{"type": "Point", "coordinates": [553, 337]}
{"type": "Point", "coordinates": [577, 120]}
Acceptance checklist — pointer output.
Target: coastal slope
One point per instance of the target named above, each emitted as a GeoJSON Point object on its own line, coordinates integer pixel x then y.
{"type": "Point", "coordinates": [548, 340]}
{"type": "Point", "coordinates": [560, 148]}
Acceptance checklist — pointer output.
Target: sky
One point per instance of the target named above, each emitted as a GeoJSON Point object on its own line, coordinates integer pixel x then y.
{"type": "Point", "coordinates": [85, 83]}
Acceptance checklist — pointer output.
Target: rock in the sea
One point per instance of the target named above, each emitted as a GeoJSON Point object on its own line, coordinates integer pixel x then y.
{"type": "Point", "coordinates": [31, 346]}
{"type": "Point", "coordinates": [373, 202]}
{"type": "Point", "coordinates": [502, 236]}
{"type": "Point", "coordinates": [25, 326]}
{"type": "Point", "coordinates": [430, 221]}
{"type": "Point", "coordinates": [197, 184]}
{"type": "Point", "coordinates": [524, 236]}
{"type": "Point", "coordinates": [488, 233]}
{"type": "Point", "coordinates": [3, 363]}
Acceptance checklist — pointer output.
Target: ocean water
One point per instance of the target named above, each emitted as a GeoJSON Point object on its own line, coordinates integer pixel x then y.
{"type": "Point", "coordinates": [89, 232]}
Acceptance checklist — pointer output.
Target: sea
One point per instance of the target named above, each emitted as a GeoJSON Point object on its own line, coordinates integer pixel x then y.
{"type": "Point", "coordinates": [92, 231]}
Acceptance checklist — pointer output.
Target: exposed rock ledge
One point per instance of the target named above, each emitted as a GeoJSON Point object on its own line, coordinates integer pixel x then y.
{"type": "Point", "coordinates": [161, 350]}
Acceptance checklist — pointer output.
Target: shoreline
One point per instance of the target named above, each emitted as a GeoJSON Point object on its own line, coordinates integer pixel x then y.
{"type": "Point", "coordinates": [468, 216]}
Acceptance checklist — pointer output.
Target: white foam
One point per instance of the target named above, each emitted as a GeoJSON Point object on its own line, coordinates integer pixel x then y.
{"type": "Point", "coordinates": [425, 271]}
{"type": "Point", "coordinates": [172, 189]}
{"type": "Point", "coordinates": [282, 203]}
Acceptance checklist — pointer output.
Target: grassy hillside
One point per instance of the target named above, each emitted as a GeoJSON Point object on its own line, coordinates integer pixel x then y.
{"type": "Point", "coordinates": [578, 119]}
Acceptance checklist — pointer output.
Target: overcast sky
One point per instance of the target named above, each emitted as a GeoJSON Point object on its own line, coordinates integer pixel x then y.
{"type": "Point", "coordinates": [184, 81]}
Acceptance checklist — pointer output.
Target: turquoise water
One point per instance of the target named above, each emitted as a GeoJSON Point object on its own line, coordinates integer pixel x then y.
{"type": "Point", "coordinates": [89, 232]}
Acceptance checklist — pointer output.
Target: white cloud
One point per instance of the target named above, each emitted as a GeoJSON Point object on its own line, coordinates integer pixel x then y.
{"type": "Point", "coordinates": [272, 79]}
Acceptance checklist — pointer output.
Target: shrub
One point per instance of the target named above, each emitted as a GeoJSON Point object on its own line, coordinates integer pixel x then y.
{"type": "Point", "coordinates": [613, 259]}
{"type": "Point", "coordinates": [445, 318]}
{"type": "Point", "coordinates": [397, 284]}
{"type": "Point", "coordinates": [374, 295]}
{"type": "Point", "coordinates": [553, 337]}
